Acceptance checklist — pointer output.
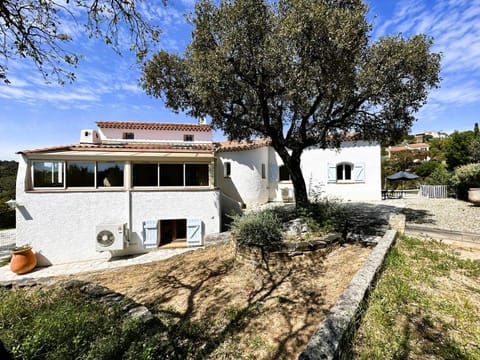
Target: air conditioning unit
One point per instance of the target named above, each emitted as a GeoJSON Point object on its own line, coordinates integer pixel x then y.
{"type": "Point", "coordinates": [111, 237]}
{"type": "Point", "coordinates": [287, 195]}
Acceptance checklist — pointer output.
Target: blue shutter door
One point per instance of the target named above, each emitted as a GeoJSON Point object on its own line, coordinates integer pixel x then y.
{"type": "Point", "coordinates": [332, 173]}
{"type": "Point", "coordinates": [194, 232]}
{"type": "Point", "coordinates": [359, 173]}
{"type": "Point", "coordinates": [150, 234]}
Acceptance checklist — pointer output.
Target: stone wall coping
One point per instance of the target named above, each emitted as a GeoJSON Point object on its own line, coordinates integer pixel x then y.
{"type": "Point", "coordinates": [329, 340]}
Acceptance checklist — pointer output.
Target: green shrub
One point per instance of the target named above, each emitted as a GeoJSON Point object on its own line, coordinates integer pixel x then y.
{"type": "Point", "coordinates": [440, 176]}
{"type": "Point", "coordinates": [260, 228]}
{"type": "Point", "coordinates": [465, 177]}
{"type": "Point", "coordinates": [326, 214]}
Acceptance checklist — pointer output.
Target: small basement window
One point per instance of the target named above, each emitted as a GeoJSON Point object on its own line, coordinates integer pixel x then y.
{"type": "Point", "coordinates": [173, 230]}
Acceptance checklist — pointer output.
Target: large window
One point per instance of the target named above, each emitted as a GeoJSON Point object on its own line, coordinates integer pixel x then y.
{"type": "Point", "coordinates": [110, 174]}
{"type": "Point", "coordinates": [145, 175]}
{"type": "Point", "coordinates": [196, 174]}
{"type": "Point", "coordinates": [171, 174]}
{"type": "Point", "coordinates": [80, 174]}
{"type": "Point", "coordinates": [48, 174]}
{"type": "Point", "coordinates": [154, 175]}
{"type": "Point", "coordinates": [344, 172]}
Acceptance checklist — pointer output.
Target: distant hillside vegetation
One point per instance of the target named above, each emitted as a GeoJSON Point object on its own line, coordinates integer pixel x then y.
{"type": "Point", "coordinates": [8, 175]}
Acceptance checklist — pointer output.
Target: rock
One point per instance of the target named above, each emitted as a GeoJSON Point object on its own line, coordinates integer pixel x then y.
{"type": "Point", "coordinates": [296, 227]}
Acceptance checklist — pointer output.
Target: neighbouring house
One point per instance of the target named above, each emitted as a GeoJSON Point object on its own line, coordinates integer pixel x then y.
{"type": "Point", "coordinates": [419, 151]}
{"type": "Point", "coordinates": [130, 187]}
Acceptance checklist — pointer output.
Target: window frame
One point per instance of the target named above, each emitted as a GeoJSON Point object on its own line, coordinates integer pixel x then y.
{"type": "Point", "coordinates": [128, 136]}
{"type": "Point", "coordinates": [227, 169]}
{"type": "Point", "coordinates": [63, 174]}
{"type": "Point", "coordinates": [188, 137]}
{"type": "Point", "coordinates": [343, 179]}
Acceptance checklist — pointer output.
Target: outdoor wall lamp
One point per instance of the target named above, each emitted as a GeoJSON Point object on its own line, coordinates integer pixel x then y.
{"type": "Point", "coordinates": [12, 204]}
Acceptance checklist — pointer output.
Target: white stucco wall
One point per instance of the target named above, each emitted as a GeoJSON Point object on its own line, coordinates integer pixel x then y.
{"type": "Point", "coordinates": [315, 170]}
{"type": "Point", "coordinates": [154, 135]}
{"type": "Point", "coordinates": [61, 225]}
{"type": "Point", "coordinates": [245, 183]}
{"type": "Point", "coordinates": [315, 162]}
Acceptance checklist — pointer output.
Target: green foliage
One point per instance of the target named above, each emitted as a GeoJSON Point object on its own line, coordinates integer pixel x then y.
{"type": "Point", "coordinates": [465, 177]}
{"type": "Point", "coordinates": [439, 176]}
{"type": "Point", "coordinates": [34, 30]}
{"type": "Point", "coordinates": [325, 214]}
{"type": "Point", "coordinates": [8, 175]}
{"type": "Point", "coordinates": [426, 168]}
{"type": "Point", "coordinates": [457, 149]}
{"type": "Point", "coordinates": [260, 229]}
{"type": "Point", "coordinates": [56, 324]}
{"type": "Point", "coordinates": [300, 72]}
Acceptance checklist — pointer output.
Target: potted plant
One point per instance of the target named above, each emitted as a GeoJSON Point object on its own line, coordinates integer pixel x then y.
{"type": "Point", "coordinates": [23, 259]}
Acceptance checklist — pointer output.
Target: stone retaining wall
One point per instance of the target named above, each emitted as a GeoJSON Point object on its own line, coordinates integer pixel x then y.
{"type": "Point", "coordinates": [290, 254]}
{"type": "Point", "coordinates": [332, 339]}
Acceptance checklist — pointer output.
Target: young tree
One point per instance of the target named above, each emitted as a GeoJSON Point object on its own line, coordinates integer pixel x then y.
{"type": "Point", "coordinates": [34, 29]}
{"type": "Point", "coordinates": [458, 149]}
{"type": "Point", "coordinates": [302, 72]}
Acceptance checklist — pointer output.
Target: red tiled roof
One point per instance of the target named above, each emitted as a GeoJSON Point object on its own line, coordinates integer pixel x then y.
{"type": "Point", "coordinates": [151, 126]}
{"type": "Point", "coordinates": [408, 147]}
{"type": "Point", "coordinates": [145, 147]}
{"type": "Point", "coordinates": [242, 145]}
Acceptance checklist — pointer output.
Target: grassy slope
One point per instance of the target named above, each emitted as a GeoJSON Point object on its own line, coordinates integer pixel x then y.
{"type": "Point", "coordinates": [426, 305]}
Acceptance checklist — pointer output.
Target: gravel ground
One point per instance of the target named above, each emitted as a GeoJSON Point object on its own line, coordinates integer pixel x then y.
{"type": "Point", "coordinates": [449, 214]}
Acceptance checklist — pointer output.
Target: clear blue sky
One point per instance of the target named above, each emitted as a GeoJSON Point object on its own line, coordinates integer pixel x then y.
{"type": "Point", "coordinates": [37, 115]}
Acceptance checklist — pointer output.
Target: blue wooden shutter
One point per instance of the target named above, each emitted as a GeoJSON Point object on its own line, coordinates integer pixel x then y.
{"type": "Point", "coordinates": [194, 232]}
{"type": "Point", "coordinates": [359, 173]}
{"type": "Point", "coordinates": [150, 234]}
{"type": "Point", "coordinates": [332, 173]}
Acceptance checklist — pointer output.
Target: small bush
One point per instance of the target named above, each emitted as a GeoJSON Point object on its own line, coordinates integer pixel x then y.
{"type": "Point", "coordinates": [465, 177]}
{"type": "Point", "coordinates": [261, 229]}
{"type": "Point", "coordinates": [326, 215]}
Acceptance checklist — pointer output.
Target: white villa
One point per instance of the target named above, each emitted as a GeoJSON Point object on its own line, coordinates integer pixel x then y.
{"type": "Point", "coordinates": [130, 187]}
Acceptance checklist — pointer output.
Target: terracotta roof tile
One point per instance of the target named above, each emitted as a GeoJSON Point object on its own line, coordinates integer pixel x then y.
{"type": "Point", "coordinates": [408, 147]}
{"type": "Point", "coordinates": [151, 126]}
{"type": "Point", "coordinates": [242, 145]}
{"type": "Point", "coordinates": [145, 147]}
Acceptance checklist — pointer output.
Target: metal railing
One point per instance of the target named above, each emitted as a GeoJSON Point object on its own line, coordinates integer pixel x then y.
{"type": "Point", "coordinates": [433, 191]}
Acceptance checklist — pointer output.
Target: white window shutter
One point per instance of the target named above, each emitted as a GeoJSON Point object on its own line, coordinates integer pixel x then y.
{"type": "Point", "coordinates": [150, 234]}
{"type": "Point", "coordinates": [332, 173]}
{"type": "Point", "coordinates": [359, 173]}
{"type": "Point", "coordinates": [194, 232]}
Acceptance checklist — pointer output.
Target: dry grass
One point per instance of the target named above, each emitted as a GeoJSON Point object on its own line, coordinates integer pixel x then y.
{"type": "Point", "coordinates": [425, 306]}
{"type": "Point", "coordinates": [240, 311]}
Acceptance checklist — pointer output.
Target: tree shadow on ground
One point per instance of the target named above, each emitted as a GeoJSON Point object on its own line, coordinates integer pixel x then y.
{"type": "Point", "coordinates": [373, 219]}
{"type": "Point", "coordinates": [197, 329]}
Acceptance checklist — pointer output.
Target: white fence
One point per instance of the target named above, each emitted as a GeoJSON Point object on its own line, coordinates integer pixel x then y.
{"type": "Point", "coordinates": [433, 191]}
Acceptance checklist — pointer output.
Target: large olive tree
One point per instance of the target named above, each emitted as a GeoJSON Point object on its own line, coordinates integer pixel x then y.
{"type": "Point", "coordinates": [302, 72]}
